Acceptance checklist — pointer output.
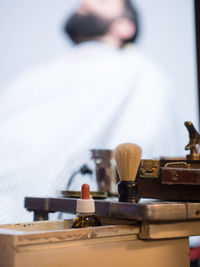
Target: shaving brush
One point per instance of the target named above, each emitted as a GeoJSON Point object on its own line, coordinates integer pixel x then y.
{"type": "Point", "coordinates": [127, 157]}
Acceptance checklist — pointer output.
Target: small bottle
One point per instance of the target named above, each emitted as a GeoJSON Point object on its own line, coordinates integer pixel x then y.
{"type": "Point", "coordinates": [85, 209]}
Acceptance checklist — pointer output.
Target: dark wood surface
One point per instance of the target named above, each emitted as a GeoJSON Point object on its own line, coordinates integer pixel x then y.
{"type": "Point", "coordinates": [153, 188]}
{"type": "Point", "coordinates": [145, 211]}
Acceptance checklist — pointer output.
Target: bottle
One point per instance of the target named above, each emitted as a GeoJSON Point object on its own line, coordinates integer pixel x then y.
{"type": "Point", "coordinates": [85, 209]}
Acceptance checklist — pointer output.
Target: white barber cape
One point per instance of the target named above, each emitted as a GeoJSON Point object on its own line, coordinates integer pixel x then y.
{"type": "Point", "coordinates": [94, 96]}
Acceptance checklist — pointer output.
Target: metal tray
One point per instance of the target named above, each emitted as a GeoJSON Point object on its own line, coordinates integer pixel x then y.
{"type": "Point", "coordinates": [77, 194]}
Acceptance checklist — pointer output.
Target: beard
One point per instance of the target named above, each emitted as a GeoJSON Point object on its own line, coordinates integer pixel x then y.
{"type": "Point", "coordinates": [82, 28]}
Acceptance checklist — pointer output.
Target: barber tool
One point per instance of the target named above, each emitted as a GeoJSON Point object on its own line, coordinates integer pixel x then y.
{"type": "Point", "coordinates": [127, 157]}
{"type": "Point", "coordinates": [168, 179]}
{"type": "Point", "coordinates": [106, 173]}
{"type": "Point", "coordinates": [194, 142]}
{"type": "Point", "coordinates": [172, 179]}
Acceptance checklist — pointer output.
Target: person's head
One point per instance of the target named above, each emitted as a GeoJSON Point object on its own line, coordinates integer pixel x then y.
{"type": "Point", "coordinates": [112, 21]}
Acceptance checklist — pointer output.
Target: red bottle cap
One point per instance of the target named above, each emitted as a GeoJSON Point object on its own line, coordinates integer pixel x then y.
{"type": "Point", "coordinates": [86, 203]}
{"type": "Point", "coordinates": [85, 191]}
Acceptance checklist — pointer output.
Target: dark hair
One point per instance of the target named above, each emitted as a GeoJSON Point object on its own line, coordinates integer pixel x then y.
{"type": "Point", "coordinates": [81, 28]}
{"type": "Point", "coordinates": [131, 14]}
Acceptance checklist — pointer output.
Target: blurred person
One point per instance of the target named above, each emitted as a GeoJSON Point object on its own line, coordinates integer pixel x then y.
{"type": "Point", "coordinates": [102, 92]}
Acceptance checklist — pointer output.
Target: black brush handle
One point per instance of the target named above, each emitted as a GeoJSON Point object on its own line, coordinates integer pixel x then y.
{"type": "Point", "coordinates": [127, 191]}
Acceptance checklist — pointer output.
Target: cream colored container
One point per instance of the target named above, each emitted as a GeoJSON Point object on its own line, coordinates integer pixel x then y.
{"type": "Point", "coordinates": [53, 244]}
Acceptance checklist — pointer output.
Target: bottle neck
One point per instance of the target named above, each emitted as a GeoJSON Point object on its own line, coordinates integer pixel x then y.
{"type": "Point", "coordinates": [85, 214]}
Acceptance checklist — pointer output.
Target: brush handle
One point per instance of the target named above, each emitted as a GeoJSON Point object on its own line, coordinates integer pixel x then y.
{"type": "Point", "coordinates": [127, 191]}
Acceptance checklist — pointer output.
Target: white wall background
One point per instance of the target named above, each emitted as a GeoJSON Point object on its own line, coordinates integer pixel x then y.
{"type": "Point", "coordinates": [30, 34]}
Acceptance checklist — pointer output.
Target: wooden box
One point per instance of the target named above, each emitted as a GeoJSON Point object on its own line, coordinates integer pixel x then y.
{"type": "Point", "coordinates": [54, 244]}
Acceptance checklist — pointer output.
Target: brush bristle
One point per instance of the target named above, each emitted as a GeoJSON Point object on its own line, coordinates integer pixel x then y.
{"type": "Point", "coordinates": [127, 157]}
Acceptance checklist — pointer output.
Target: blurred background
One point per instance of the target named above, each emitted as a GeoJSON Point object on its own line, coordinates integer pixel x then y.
{"type": "Point", "coordinates": [31, 34]}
